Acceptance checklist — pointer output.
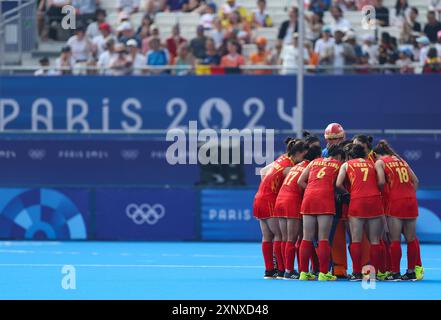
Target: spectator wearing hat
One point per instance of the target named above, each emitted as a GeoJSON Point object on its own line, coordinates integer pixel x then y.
{"type": "Point", "coordinates": [404, 61]}
{"type": "Point", "coordinates": [99, 42]}
{"type": "Point", "coordinates": [65, 62]}
{"type": "Point", "coordinates": [289, 56]}
{"type": "Point", "coordinates": [157, 56]}
{"type": "Point", "coordinates": [138, 59]}
{"type": "Point", "coordinates": [85, 10]}
{"type": "Point", "coordinates": [423, 46]}
{"type": "Point", "coordinates": [106, 57]}
{"type": "Point", "coordinates": [233, 59]}
{"type": "Point", "coordinates": [370, 48]}
{"type": "Point", "coordinates": [121, 62]}
{"type": "Point", "coordinates": [93, 29]}
{"type": "Point", "coordinates": [183, 61]}
{"type": "Point", "coordinates": [154, 34]}
{"type": "Point", "coordinates": [208, 16]}
{"type": "Point", "coordinates": [261, 57]}
{"type": "Point", "coordinates": [343, 53]}
{"type": "Point", "coordinates": [126, 33]}
{"type": "Point", "coordinates": [432, 27]}
{"type": "Point", "coordinates": [351, 39]}
{"type": "Point", "coordinates": [260, 17]}
{"type": "Point", "coordinates": [433, 62]}
{"type": "Point", "coordinates": [197, 45]}
{"type": "Point", "coordinates": [81, 46]}
{"type": "Point", "coordinates": [324, 46]}
{"type": "Point", "coordinates": [176, 5]}
{"type": "Point", "coordinates": [289, 27]}
{"type": "Point", "coordinates": [174, 41]}
{"type": "Point", "coordinates": [339, 22]}
{"type": "Point", "coordinates": [44, 70]}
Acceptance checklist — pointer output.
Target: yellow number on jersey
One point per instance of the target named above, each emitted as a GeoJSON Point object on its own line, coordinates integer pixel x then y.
{"type": "Point", "coordinates": [365, 173]}
{"type": "Point", "coordinates": [403, 174]}
{"type": "Point", "coordinates": [321, 173]}
{"type": "Point", "coordinates": [291, 177]}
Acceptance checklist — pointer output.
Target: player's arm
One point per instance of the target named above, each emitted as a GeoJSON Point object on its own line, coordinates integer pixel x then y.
{"type": "Point", "coordinates": [286, 170]}
{"type": "Point", "coordinates": [415, 180]}
{"type": "Point", "coordinates": [381, 179]}
{"type": "Point", "coordinates": [341, 179]}
{"type": "Point", "coordinates": [303, 179]}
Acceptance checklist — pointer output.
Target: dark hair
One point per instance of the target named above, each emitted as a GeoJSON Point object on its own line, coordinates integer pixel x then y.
{"type": "Point", "coordinates": [383, 148]}
{"type": "Point", "coordinates": [357, 151]}
{"type": "Point", "coordinates": [432, 53]}
{"type": "Point", "coordinates": [288, 141]}
{"type": "Point", "coordinates": [314, 152]}
{"type": "Point", "coordinates": [367, 140]}
{"type": "Point", "coordinates": [414, 9]}
{"type": "Point", "coordinates": [100, 11]}
{"type": "Point", "coordinates": [310, 138]}
{"type": "Point", "coordinates": [346, 146]}
{"type": "Point", "coordinates": [295, 146]}
{"type": "Point", "coordinates": [336, 150]}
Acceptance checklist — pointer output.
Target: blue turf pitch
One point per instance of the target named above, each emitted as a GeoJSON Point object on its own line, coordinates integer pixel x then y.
{"type": "Point", "coordinates": [122, 270]}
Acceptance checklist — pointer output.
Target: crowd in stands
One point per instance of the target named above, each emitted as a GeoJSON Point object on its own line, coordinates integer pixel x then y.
{"type": "Point", "coordinates": [223, 32]}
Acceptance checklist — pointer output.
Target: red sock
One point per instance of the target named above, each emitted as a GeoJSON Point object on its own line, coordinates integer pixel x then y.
{"type": "Point", "coordinates": [355, 251]}
{"type": "Point", "coordinates": [290, 252]}
{"type": "Point", "coordinates": [314, 260]}
{"type": "Point", "coordinates": [283, 252]}
{"type": "Point", "coordinates": [412, 253]}
{"type": "Point", "coordinates": [267, 250]}
{"type": "Point", "coordinates": [383, 256]}
{"type": "Point", "coordinates": [387, 256]}
{"type": "Point", "coordinates": [305, 252]}
{"type": "Point", "coordinates": [418, 258]}
{"type": "Point", "coordinates": [297, 248]}
{"type": "Point", "coordinates": [278, 253]}
{"type": "Point", "coordinates": [395, 254]}
{"type": "Point", "coordinates": [375, 256]}
{"type": "Point", "coordinates": [324, 255]}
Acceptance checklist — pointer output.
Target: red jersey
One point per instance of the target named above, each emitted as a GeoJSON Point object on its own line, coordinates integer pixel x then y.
{"type": "Point", "coordinates": [319, 193]}
{"type": "Point", "coordinates": [366, 200]}
{"type": "Point", "coordinates": [400, 195]}
{"type": "Point", "coordinates": [290, 183]}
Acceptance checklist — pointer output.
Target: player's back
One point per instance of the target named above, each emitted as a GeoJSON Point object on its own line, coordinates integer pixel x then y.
{"type": "Point", "coordinates": [398, 178]}
{"type": "Point", "coordinates": [290, 186]}
{"type": "Point", "coordinates": [272, 182]}
{"type": "Point", "coordinates": [363, 178]}
{"type": "Point", "coordinates": [322, 174]}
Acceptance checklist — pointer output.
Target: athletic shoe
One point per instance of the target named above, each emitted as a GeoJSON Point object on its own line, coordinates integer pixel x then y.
{"type": "Point", "coordinates": [326, 277]}
{"type": "Point", "coordinates": [409, 276]}
{"type": "Point", "coordinates": [305, 276]}
{"type": "Point", "coordinates": [419, 271]}
{"type": "Point", "coordinates": [356, 277]}
{"type": "Point", "coordinates": [280, 274]}
{"type": "Point", "coordinates": [342, 276]}
{"type": "Point", "coordinates": [270, 274]}
{"type": "Point", "coordinates": [382, 275]}
{"type": "Point", "coordinates": [291, 275]}
{"type": "Point", "coordinates": [394, 276]}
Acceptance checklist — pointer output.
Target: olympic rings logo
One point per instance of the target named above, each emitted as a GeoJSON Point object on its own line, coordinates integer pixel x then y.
{"type": "Point", "coordinates": [145, 213]}
{"type": "Point", "coordinates": [413, 155]}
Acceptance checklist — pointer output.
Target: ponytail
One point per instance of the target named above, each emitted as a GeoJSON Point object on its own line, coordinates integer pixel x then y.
{"type": "Point", "coordinates": [383, 148]}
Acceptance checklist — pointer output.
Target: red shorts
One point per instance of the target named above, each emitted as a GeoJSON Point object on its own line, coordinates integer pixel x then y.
{"type": "Point", "coordinates": [263, 207]}
{"type": "Point", "coordinates": [402, 208]}
{"type": "Point", "coordinates": [288, 206]}
{"type": "Point", "coordinates": [366, 207]}
{"type": "Point", "coordinates": [317, 203]}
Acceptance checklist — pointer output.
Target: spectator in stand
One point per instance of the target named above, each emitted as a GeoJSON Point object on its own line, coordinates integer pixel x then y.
{"type": "Point", "coordinates": [424, 46]}
{"type": "Point", "coordinates": [438, 44]}
{"type": "Point", "coordinates": [381, 13]}
{"type": "Point", "coordinates": [197, 45]}
{"type": "Point", "coordinates": [314, 58]}
{"type": "Point", "coordinates": [157, 56]}
{"type": "Point", "coordinates": [211, 57]}
{"type": "Point", "coordinates": [152, 7]}
{"type": "Point", "coordinates": [80, 45]}
{"type": "Point", "coordinates": [370, 48]}
{"type": "Point", "coordinates": [350, 38]}
{"type": "Point", "coordinates": [324, 47]}
{"type": "Point", "coordinates": [260, 17]}
{"type": "Point", "coordinates": [275, 54]}
{"type": "Point", "coordinates": [126, 33]}
{"type": "Point", "coordinates": [410, 25]}
{"type": "Point", "coordinates": [319, 6]}
{"type": "Point", "coordinates": [183, 61]}
{"type": "Point", "coordinates": [435, 6]}
{"type": "Point", "coordinates": [289, 56]}
{"type": "Point", "coordinates": [93, 28]}
{"type": "Point", "coordinates": [289, 27]}
{"type": "Point", "coordinates": [120, 63]}
{"type": "Point", "coordinates": [174, 41]}
{"type": "Point", "coordinates": [176, 5]}
{"type": "Point", "coordinates": [261, 57]}
{"type": "Point", "coordinates": [432, 27]}
{"type": "Point", "coordinates": [137, 59]}
{"type": "Point", "coordinates": [85, 10]}
{"type": "Point", "coordinates": [343, 53]}
{"type": "Point", "coordinates": [401, 7]}
{"type": "Point", "coordinates": [126, 8]}
{"type": "Point", "coordinates": [345, 5]}
{"type": "Point", "coordinates": [314, 25]}
{"type": "Point", "coordinates": [106, 57]}
{"type": "Point", "coordinates": [146, 23]}
{"type": "Point", "coordinates": [65, 62]}
{"type": "Point", "coordinates": [363, 66]}
{"type": "Point", "coordinates": [233, 59]}
{"type": "Point", "coordinates": [218, 33]}
{"type": "Point", "coordinates": [239, 26]}
{"type": "Point", "coordinates": [360, 4]}
{"type": "Point", "coordinates": [338, 20]}
{"type": "Point", "coordinates": [44, 70]}
{"type": "Point", "coordinates": [55, 15]}
{"type": "Point", "coordinates": [228, 7]}
{"type": "Point", "coordinates": [208, 16]}
{"type": "Point", "coordinates": [387, 50]}
{"type": "Point", "coordinates": [99, 42]}
{"type": "Point", "coordinates": [146, 41]}
{"type": "Point", "coordinates": [196, 6]}
{"type": "Point", "coordinates": [433, 62]}
{"type": "Point", "coordinates": [404, 61]}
